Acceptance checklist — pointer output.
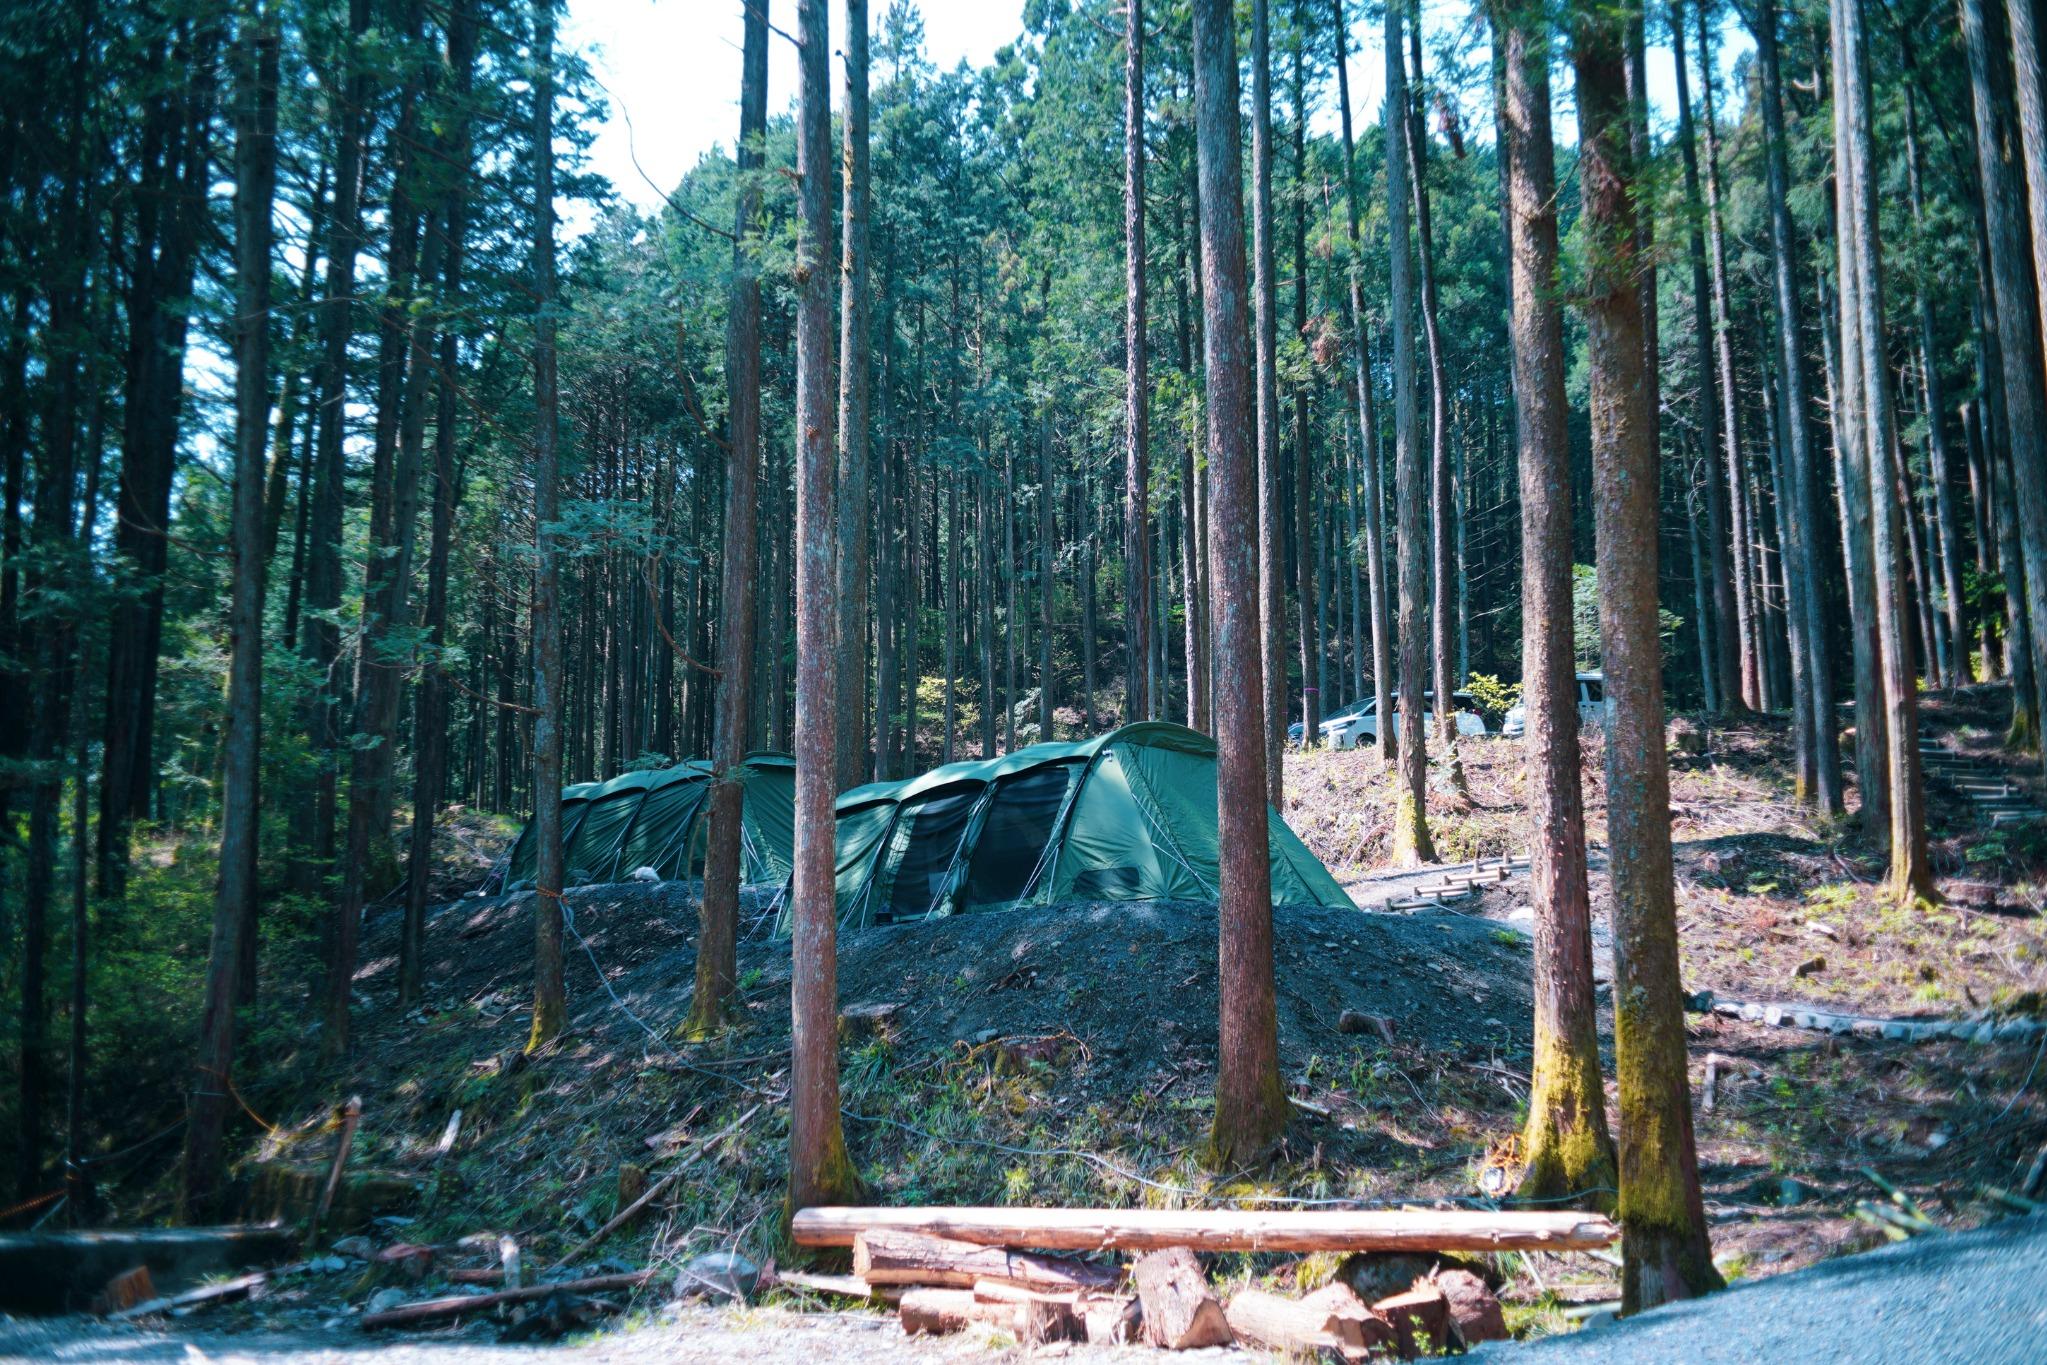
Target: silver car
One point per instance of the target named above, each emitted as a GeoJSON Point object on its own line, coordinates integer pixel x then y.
{"type": "Point", "coordinates": [1360, 724]}
{"type": "Point", "coordinates": [1591, 706]}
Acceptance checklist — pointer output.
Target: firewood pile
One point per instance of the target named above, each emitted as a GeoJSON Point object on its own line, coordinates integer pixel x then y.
{"type": "Point", "coordinates": [946, 1270]}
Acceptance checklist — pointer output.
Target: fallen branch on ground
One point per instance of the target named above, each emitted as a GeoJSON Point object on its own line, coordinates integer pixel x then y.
{"type": "Point", "coordinates": [1219, 1230]}
{"type": "Point", "coordinates": [432, 1310]}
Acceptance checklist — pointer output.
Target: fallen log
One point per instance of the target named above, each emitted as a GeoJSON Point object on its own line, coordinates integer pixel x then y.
{"type": "Point", "coordinates": [845, 1286]}
{"type": "Point", "coordinates": [351, 1115]}
{"type": "Point", "coordinates": [204, 1294]}
{"type": "Point", "coordinates": [1218, 1230]}
{"type": "Point", "coordinates": [1422, 1312]}
{"type": "Point", "coordinates": [1180, 1310]}
{"type": "Point", "coordinates": [1301, 1326]}
{"type": "Point", "coordinates": [889, 1256]}
{"type": "Point", "coordinates": [936, 1312]}
{"type": "Point", "coordinates": [459, 1305]}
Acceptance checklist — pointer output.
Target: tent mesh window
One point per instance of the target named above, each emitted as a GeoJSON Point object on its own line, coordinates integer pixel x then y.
{"type": "Point", "coordinates": [1014, 846]}
{"type": "Point", "coordinates": [920, 854]}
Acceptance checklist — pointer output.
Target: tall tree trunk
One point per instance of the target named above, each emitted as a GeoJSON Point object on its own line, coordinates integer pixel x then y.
{"type": "Point", "coordinates": [1305, 575]}
{"type": "Point", "coordinates": [2002, 172]}
{"type": "Point", "coordinates": [1911, 872]}
{"type": "Point", "coordinates": [1747, 630]}
{"type": "Point", "coordinates": [984, 591]}
{"type": "Point", "coordinates": [171, 228]}
{"type": "Point", "coordinates": [1138, 627]}
{"type": "Point", "coordinates": [855, 366]}
{"type": "Point", "coordinates": [1807, 572]}
{"type": "Point", "coordinates": [1368, 433]}
{"type": "Point", "coordinates": [1442, 622]}
{"type": "Point", "coordinates": [235, 906]}
{"type": "Point", "coordinates": [1250, 1106]}
{"type": "Point", "coordinates": [1720, 664]}
{"type": "Point", "coordinates": [1664, 1249]}
{"type": "Point", "coordinates": [1271, 536]}
{"type": "Point", "coordinates": [1411, 841]}
{"type": "Point", "coordinates": [431, 720]}
{"type": "Point", "coordinates": [1565, 1143]}
{"type": "Point", "coordinates": [1946, 549]}
{"type": "Point", "coordinates": [550, 1000]}
{"type": "Point", "coordinates": [819, 1170]}
{"type": "Point", "coordinates": [48, 618]}
{"type": "Point", "coordinates": [1046, 699]}
{"type": "Point", "coordinates": [717, 968]}
{"type": "Point", "coordinates": [951, 589]}
{"type": "Point", "coordinates": [349, 95]}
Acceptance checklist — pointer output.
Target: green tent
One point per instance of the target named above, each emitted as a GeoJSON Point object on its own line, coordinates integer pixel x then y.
{"type": "Point", "coordinates": [1130, 815]}
{"type": "Point", "coordinates": [659, 819]}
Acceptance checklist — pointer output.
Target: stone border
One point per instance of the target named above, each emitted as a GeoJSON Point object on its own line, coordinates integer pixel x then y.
{"type": "Point", "coordinates": [1777, 1014]}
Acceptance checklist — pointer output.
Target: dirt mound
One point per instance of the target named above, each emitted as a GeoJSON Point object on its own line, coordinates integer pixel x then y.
{"type": "Point", "coordinates": [1133, 983]}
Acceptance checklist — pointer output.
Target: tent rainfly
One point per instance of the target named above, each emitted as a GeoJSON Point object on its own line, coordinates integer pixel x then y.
{"type": "Point", "coordinates": [1126, 816]}
{"type": "Point", "coordinates": [661, 819]}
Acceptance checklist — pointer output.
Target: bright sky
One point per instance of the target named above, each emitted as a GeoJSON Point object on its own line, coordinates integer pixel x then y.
{"type": "Point", "coordinates": [671, 70]}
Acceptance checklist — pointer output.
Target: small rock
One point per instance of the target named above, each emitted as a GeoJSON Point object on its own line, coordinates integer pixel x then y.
{"type": "Point", "coordinates": [1867, 1028]}
{"type": "Point", "coordinates": [1805, 1019]}
{"type": "Point", "coordinates": [355, 1248]}
{"type": "Point", "coordinates": [2013, 1028]}
{"type": "Point", "coordinates": [326, 1265]}
{"type": "Point", "coordinates": [1699, 1002]}
{"type": "Point", "coordinates": [1773, 1015]}
{"type": "Point", "coordinates": [1897, 1031]}
{"type": "Point", "coordinates": [1752, 1013]}
{"type": "Point", "coordinates": [1605, 1317]}
{"type": "Point", "coordinates": [1984, 1033]}
{"type": "Point", "coordinates": [1812, 966]}
{"type": "Point", "coordinates": [646, 874]}
{"type": "Point", "coordinates": [384, 1300]}
{"type": "Point", "coordinates": [1791, 1191]}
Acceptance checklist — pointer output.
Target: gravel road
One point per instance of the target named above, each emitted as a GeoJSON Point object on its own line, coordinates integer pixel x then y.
{"type": "Point", "coordinates": [1975, 1296]}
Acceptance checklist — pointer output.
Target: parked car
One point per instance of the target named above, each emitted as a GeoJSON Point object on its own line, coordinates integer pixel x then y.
{"type": "Point", "coordinates": [1293, 732]}
{"type": "Point", "coordinates": [1591, 706]}
{"type": "Point", "coordinates": [1349, 731]}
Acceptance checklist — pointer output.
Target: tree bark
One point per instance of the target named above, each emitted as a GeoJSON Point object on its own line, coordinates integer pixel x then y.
{"type": "Point", "coordinates": [235, 905]}
{"type": "Point", "coordinates": [2010, 177]}
{"type": "Point", "coordinates": [550, 1001]}
{"type": "Point", "coordinates": [1442, 623]}
{"type": "Point", "coordinates": [1271, 536]}
{"type": "Point", "coordinates": [1664, 1248]}
{"type": "Point", "coordinates": [1807, 572]}
{"type": "Point", "coordinates": [1411, 841]}
{"type": "Point", "coordinates": [349, 96]}
{"type": "Point", "coordinates": [855, 368]}
{"type": "Point", "coordinates": [1368, 432]}
{"type": "Point", "coordinates": [1911, 872]}
{"type": "Point", "coordinates": [1250, 1106]}
{"type": "Point", "coordinates": [1720, 670]}
{"type": "Point", "coordinates": [819, 1170]}
{"type": "Point", "coordinates": [431, 720]}
{"type": "Point", "coordinates": [171, 227]}
{"type": "Point", "coordinates": [1139, 703]}
{"type": "Point", "coordinates": [717, 967]}
{"type": "Point", "coordinates": [1565, 1144]}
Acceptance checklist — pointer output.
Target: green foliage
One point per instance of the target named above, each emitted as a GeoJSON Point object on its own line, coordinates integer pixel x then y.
{"type": "Point", "coordinates": [1494, 698]}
